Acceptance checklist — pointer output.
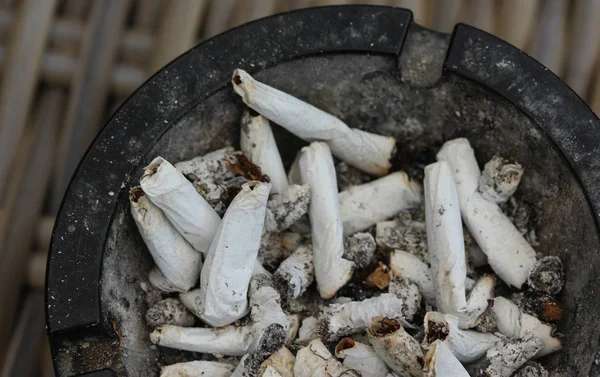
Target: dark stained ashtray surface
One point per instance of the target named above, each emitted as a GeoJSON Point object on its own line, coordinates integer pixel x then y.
{"type": "Point", "coordinates": [374, 69]}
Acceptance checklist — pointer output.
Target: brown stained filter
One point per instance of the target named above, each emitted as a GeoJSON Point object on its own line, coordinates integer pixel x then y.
{"type": "Point", "coordinates": [380, 278]}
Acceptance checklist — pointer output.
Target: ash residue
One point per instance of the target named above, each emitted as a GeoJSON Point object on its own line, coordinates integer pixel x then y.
{"type": "Point", "coordinates": [169, 312]}
{"type": "Point", "coordinates": [523, 216]}
{"type": "Point", "coordinates": [283, 210]}
{"type": "Point", "coordinates": [410, 236]}
{"type": "Point", "coordinates": [487, 321]}
{"type": "Point", "coordinates": [348, 176]}
{"type": "Point", "coordinates": [548, 275]}
{"type": "Point", "coordinates": [532, 369]}
{"type": "Point", "coordinates": [360, 248]}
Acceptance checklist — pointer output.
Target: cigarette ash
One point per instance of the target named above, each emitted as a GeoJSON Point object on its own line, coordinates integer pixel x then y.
{"type": "Point", "coordinates": [368, 252]}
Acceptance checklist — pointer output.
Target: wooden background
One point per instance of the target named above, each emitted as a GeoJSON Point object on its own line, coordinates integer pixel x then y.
{"type": "Point", "coordinates": [67, 64]}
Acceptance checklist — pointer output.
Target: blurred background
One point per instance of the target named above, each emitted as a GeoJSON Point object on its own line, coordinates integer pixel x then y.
{"type": "Point", "coordinates": [66, 65]}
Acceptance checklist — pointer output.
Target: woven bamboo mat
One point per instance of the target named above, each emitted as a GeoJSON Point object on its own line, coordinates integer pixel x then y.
{"type": "Point", "coordinates": [67, 64]}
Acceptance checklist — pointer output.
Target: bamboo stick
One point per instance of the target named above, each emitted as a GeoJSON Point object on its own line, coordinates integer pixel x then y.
{"type": "Point", "coordinates": [147, 14]}
{"type": "Point", "coordinates": [516, 18]}
{"type": "Point", "coordinates": [178, 30]}
{"type": "Point", "coordinates": [584, 45]}
{"type": "Point", "coordinates": [136, 45]}
{"type": "Point", "coordinates": [43, 232]}
{"type": "Point", "coordinates": [446, 14]}
{"type": "Point", "coordinates": [36, 269]}
{"type": "Point", "coordinates": [220, 17]}
{"type": "Point", "coordinates": [20, 78]}
{"type": "Point", "coordinates": [23, 351]}
{"type": "Point", "coordinates": [549, 41]}
{"type": "Point", "coordinates": [483, 15]}
{"type": "Point", "coordinates": [89, 89]}
{"type": "Point", "coordinates": [28, 203]}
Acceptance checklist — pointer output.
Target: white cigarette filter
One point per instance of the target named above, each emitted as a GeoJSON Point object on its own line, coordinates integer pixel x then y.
{"type": "Point", "coordinates": [413, 269]}
{"type": "Point", "coordinates": [317, 170]}
{"type": "Point", "coordinates": [509, 254]}
{"type": "Point", "coordinates": [286, 208]}
{"type": "Point", "coordinates": [229, 340]}
{"type": "Point", "coordinates": [466, 345]}
{"type": "Point", "coordinates": [295, 274]}
{"type": "Point", "coordinates": [227, 271]}
{"type": "Point", "coordinates": [315, 360]}
{"type": "Point", "coordinates": [514, 324]}
{"type": "Point", "coordinates": [499, 179]}
{"type": "Point", "coordinates": [368, 152]}
{"type": "Point", "coordinates": [258, 143]}
{"type": "Point", "coordinates": [197, 369]}
{"type": "Point", "coordinates": [365, 205]}
{"type": "Point", "coordinates": [185, 208]}
{"type": "Point", "coordinates": [400, 351]}
{"type": "Point", "coordinates": [176, 259]}
{"type": "Point", "coordinates": [361, 358]}
{"type": "Point", "coordinates": [339, 320]}
{"type": "Point", "coordinates": [445, 238]}
{"type": "Point", "coordinates": [158, 281]}
{"type": "Point", "coordinates": [282, 362]}
{"type": "Point", "coordinates": [504, 359]}
{"type": "Point", "coordinates": [441, 362]}
{"type": "Point", "coordinates": [270, 322]}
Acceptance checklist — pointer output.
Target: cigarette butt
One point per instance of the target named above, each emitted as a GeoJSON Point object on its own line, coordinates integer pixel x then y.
{"type": "Point", "coordinates": [282, 362]}
{"type": "Point", "coordinates": [363, 206]}
{"type": "Point", "coordinates": [178, 262]}
{"type": "Point", "coordinates": [514, 324]}
{"type": "Point", "coordinates": [317, 170]}
{"type": "Point", "coordinates": [548, 275]}
{"type": "Point", "coordinates": [169, 312]}
{"type": "Point", "coordinates": [509, 254]}
{"type": "Point", "coordinates": [222, 298]}
{"type": "Point", "coordinates": [440, 361]}
{"type": "Point", "coordinates": [293, 328]}
{"type": "Point", "coordinates": [229, 340]}
{"type": "Point", "coordinates": [410, 236]}
{"type": "Point", "coordinates": [413, 269]}
{"type": "Point", "coordinates": [445, 238]}
{"type": "Point", "coordinates": [158, 281]}
{"type": "Point", "coordinates": [286, 208]}
{"type": "Point", "coordinates": [315, 360]}
{"type": "Point", "coordinates": [507, 357]}
{"type": "Point", "coordinates": [500, 179]}
{"type": "Point", "coordinates": [466, 345]}
{"type": "Point", "coordinates": [271, 372]}
{"type": "Point", "coordinates": [532, 369]}
{"type": "Point", "coordinates": [400, 351]}
{"type": "Point", "coordinates": [369, 152]}
{"type": "Point", "coordinates": [308, 330]}
{"type": "Point", "coordinates": [295, 274]}
{"type": "Point", "coordinates": [191, 215]}
{"type": "Point", "coordinates": [360, 248]}
{"type": "Point", "coordinates": [361, 358]}
{"type": "Point", "coordinates": [339, 320]}
{"type": "Point", "coordinates": [409, 294]}
{"type": "Point", "coordinates": [197, 368]}
{"type": "Point", "coordinates": [258, 143]}
{"type": "Point", "coordinates": [380, 278]}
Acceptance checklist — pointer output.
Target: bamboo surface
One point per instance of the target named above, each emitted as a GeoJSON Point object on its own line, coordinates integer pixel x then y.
{"type": "Point", "coordinates": [66, 64]}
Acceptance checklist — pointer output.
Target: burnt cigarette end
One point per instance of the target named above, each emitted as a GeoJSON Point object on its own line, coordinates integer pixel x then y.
{"type": "Point", "coordinates": [169, 312]}
{"type": "Point", "coordinates": [435, 331]}
{"type": "Point", "coordinates": [136, 193]}
{"type": "Point", "coordinates": [273, 339]}
{"type": "Point", "coordinates": [487, 321]}
{"type": "Point", "coordinates": [548, 275]}
{"type": "Point", "coordinates": [380, 278]}
{"type": "Point", "coordinates": [542, 306]}
{"type": "Point", "coordinates": [360, 248]}
{"type": "Point", "coordinates": [247, 169]}
{"type": "Point", "coordinates": [237, 80]}
{"type": "Point", "coordinates": [382, 326]}
{"type": "Point", "coordinates": [344, 344]}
